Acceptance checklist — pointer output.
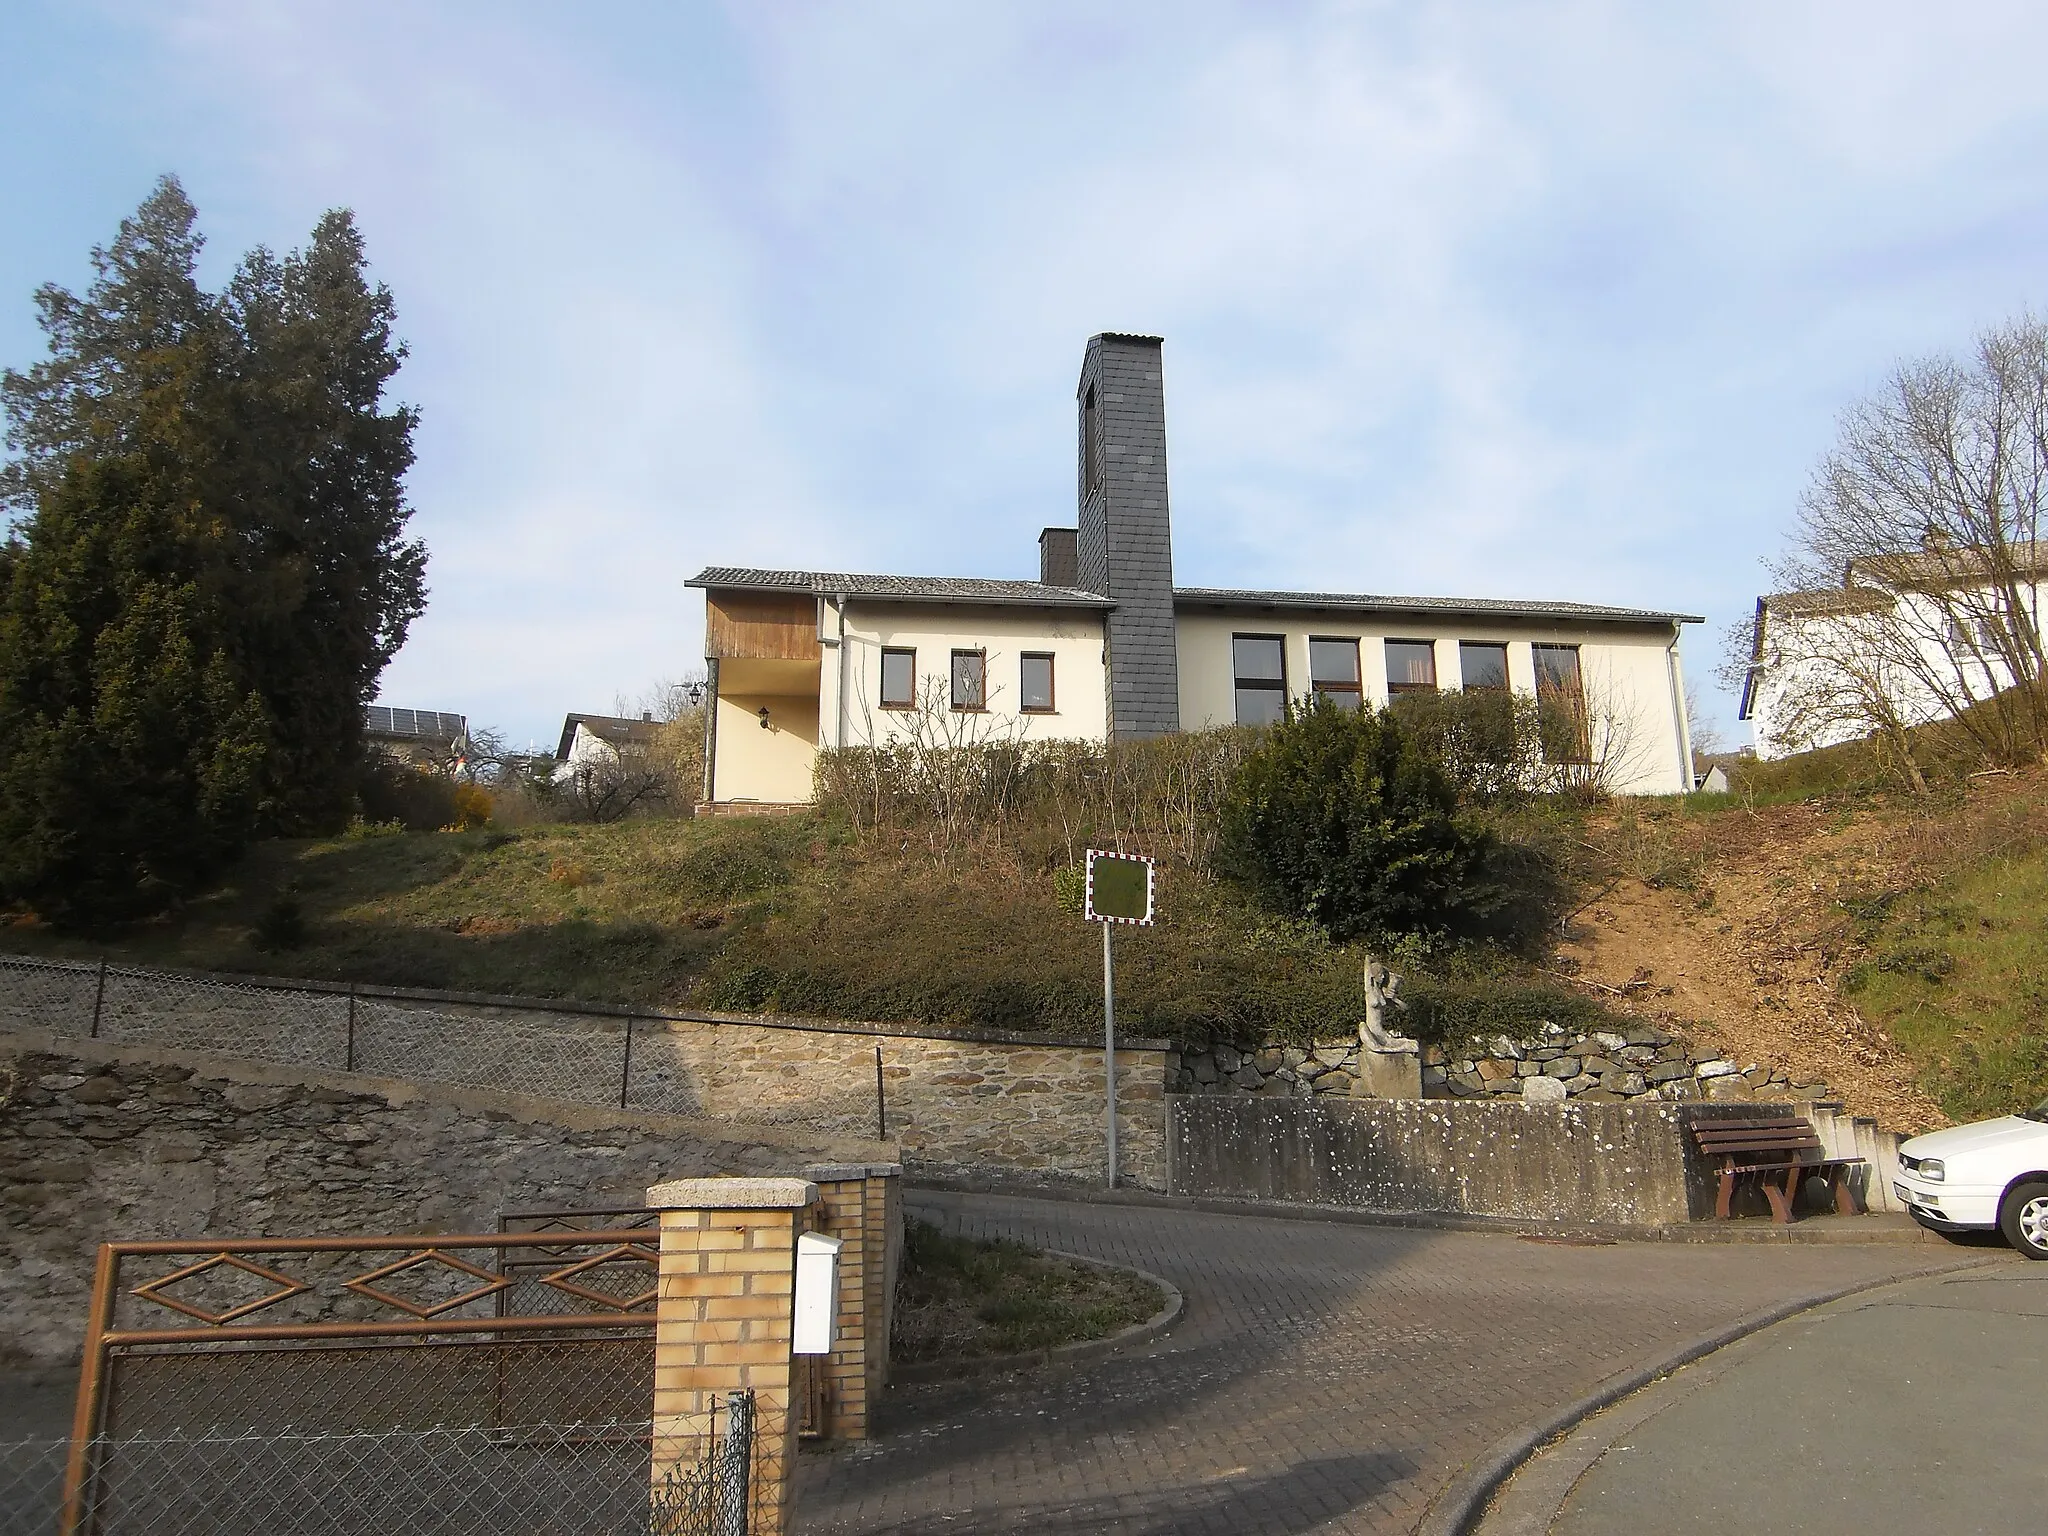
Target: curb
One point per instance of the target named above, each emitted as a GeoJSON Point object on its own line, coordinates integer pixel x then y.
{"type": "Point", "coordinates": [920, 1372]}
{"type": "Point", "coordinates": [1875, 1228]}
{"type": "Point", "coordinates": [1458, 1506]}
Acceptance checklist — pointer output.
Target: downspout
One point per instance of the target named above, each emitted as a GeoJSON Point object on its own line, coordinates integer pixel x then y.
{"type": "Point", "coordinates": [839, 721]}
{"type": "Point", "coordinates": [711, 731]}
{"type": "Point", "coordinates": [1678, 720]}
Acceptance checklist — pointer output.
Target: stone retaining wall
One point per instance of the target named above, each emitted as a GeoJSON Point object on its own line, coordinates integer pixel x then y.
{"type": "Point", "coordinates": [955, 1102]}
{"type": "Point", "coordinates": [100, 1142]}
{"type": "Point", "coordinates": [1641, 1063]}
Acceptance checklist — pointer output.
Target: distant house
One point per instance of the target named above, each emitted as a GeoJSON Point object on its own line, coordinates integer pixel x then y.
{"type": "Point", "coordinates": [1103, 644]}
{"type": "Point", "coordinates": [416, 736]}
{"type": "Point", "coordinates": [588, 739]}
{"type": "Point", "coordinates": [1906, 639]}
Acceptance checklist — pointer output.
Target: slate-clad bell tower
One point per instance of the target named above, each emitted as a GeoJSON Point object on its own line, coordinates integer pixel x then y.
{"type": "Point", "coordinates": [1126, 539]}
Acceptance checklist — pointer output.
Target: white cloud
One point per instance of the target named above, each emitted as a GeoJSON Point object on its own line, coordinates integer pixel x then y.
{"type": "Point", "coordinates": [1518, 299]}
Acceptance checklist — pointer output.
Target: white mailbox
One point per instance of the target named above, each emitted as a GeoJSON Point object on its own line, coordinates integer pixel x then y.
{"type": "Point", "coordinates": [817, 1293]}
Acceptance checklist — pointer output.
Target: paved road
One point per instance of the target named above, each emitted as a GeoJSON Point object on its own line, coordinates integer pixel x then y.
{"type": "Point", "coordinates": [1914, 1408]}
{"type": "Point", "coordinates": [1326, 1377]}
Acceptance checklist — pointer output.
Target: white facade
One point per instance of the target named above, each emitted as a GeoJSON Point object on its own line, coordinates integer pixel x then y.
{"type": "Point", "coordinates": [852, 709]}
{"type": "Point", "coordinates": [773, 714]}
{"type": "Point", "coordinates": [1838, 665]}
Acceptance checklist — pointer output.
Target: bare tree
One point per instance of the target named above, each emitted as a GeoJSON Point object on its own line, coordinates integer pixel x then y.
{"type": "Point", "coordinates": [1910, 590]}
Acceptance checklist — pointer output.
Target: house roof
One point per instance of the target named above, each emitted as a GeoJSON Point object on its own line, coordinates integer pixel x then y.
{"type": "Point", "coordinates": [608, 728]}
{"type": "Point", "coordinates": [383, 723]}
{"type": "Point", "coordinates": [1939, 566]}
{"type": "Point", "coordinates": [968, 589]}
{"type": "Point", "coordinates": [897, 589]}
{"type": "Point", "coordinates": [1365, 602]}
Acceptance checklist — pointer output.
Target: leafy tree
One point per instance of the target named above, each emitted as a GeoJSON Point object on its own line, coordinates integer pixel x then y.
{"type": "Point", "coordinates": [1338, 817]}
{"type": "Point", "coordinates": [208, 571]}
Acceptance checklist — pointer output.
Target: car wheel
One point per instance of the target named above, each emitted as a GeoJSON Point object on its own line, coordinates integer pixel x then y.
{"type": "Point", "coordinates": [2023, 1218]}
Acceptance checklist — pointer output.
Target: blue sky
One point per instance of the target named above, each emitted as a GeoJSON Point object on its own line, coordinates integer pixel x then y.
{"type": "Point", "coordinates": [1534, 300]}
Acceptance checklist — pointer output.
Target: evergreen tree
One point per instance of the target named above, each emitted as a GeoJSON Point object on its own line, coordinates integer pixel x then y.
{"type": "Point", "coordinates": [208, 571]}
{"type": "Point", "coordinates": [1337, 816]}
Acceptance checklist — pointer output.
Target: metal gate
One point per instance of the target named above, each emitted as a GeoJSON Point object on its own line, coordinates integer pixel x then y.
{"type": "Point", "coordinates": [453, 1385]}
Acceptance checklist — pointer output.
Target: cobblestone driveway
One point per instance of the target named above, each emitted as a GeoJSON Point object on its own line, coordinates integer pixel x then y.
{"type": "Point", "coordinates": [1325, 1377]}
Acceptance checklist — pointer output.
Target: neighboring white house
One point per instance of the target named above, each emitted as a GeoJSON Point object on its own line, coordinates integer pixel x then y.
{"type": "Point", "coordinates": [1104, 644]}
{"type": "Point", "coordinates": [1906, 639]}
{"type": "Point", "coordinates": [592, 739]}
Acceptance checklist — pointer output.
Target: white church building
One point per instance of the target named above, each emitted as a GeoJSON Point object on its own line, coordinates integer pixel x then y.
{"type": "Point", "coordinates": [1103, 644]}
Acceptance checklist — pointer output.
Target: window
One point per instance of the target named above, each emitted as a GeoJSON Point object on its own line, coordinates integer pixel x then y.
{"type": "Point", "coordinates": [1483, 666]}
{"type": "Point", "coordinates": [1411, 666]}
{"type": "Point", "coordinates": [970, 679]}
{"type": "Point", "coordinates": [1034, 683]}
{"type": "Point", "coordinates": [1260, 663]}
{"type": "Point", "coordinates": [1091, 444]}
{"type": "Point", "coordinates": [1561, 704]}
{"type": "Point", "coordinates": [1333, 671]}
{"type": "Point", "coordinates": [899, 678]}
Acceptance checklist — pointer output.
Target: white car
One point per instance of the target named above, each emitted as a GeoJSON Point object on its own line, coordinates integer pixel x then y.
{"type": "Point", "coordinates": [1972, 1178]}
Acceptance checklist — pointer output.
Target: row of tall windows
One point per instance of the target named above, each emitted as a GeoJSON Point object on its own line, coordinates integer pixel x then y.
{"type": "Point", "coordinates": [967, 680]}
{"type": "Point", "coordinates": [1260, 665]}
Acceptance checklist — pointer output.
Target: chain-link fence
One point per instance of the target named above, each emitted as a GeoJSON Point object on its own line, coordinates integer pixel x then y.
{"type": "Point", "coordinates": [620, 1058]}
{"type": "Point", "coordinates": [587, 1479]}
{"type": "Point", "coordinates": [463, 1383]}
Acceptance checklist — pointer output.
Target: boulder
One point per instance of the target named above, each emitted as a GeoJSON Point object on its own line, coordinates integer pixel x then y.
{"type": "Point", "coordinates": [1543, 1090]}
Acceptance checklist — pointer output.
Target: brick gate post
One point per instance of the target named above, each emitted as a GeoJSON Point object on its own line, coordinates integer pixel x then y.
{"type": "Point", "coordinates": [859, 1204]}
{"type": "Point", "coordinates": [723, 1317]}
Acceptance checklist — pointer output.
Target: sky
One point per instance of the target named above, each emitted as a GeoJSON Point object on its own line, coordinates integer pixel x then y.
{"type": "Point", "coordinates": [1473, 299]}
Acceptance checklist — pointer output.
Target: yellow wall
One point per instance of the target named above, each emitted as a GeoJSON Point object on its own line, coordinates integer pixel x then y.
{"type": "Point", "coordinates": [772, 766]}
{"type": "Point", "coordinates": [1632, 674]}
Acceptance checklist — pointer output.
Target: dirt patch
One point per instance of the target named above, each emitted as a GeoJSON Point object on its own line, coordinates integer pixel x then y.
{"type": "Point", "coordinates": [1739, 927]}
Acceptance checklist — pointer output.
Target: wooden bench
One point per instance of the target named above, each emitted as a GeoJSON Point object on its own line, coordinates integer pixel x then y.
{"type": "Point", "coordinates": [1776, 1151]}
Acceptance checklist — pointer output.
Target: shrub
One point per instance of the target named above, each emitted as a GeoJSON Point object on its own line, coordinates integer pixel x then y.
{"type": "Point", "coordinates": [282, 924]}
{"type": "Point", "coordinates": [472, 806]}
{"type": "Point", "coordinates": [417, 800]}
{"type": "Point", "coordinates": [1337, 817]}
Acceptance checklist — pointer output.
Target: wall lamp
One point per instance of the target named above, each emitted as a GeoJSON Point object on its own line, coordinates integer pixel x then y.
{"type": "Point", "coordinates": [763, 713]}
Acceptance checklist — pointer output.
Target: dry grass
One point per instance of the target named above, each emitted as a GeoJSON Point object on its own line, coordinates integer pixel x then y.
{"type": "Point", "coordinates": [959, 1298]}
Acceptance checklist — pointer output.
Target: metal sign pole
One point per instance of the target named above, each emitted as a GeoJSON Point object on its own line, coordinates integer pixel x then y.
{"type": "Point", "coordinates": [1109, 1042]}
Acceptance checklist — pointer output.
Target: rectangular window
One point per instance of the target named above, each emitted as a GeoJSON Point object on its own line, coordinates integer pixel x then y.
{"type": "Point", "coordinates": [1483, 666]}
{"type": "Point", "coordinates": [970, 679]}
{"type": "Point", "coordinates": [1034, 683]}
{"type": "Point", "coordinates": [899, 678]}
{"type": "Point", "coordinates": [1561, 704]}
{"type": "Point", "coordinates": [1333, 671]}
{"type": "Point", "coordinates": [1260, 662]}
{"type": "Point", "coordinates": [1091, 445]}
{"type": "Point", "coordinates": [1411, 666]}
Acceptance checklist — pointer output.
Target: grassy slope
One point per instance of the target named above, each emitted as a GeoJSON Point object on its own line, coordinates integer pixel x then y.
{"type": "Point", "coordinates": [769, 914]}
{"type": "Point", "coordinates": [1893, 943]}
{"type": "Point", "coordinates": [1957, 974]}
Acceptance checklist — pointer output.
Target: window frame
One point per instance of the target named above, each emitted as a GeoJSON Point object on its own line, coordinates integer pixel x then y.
{"type": "Point", "coordinates": [909, 700]}
{"type": "Point", "coordinates": [1051, 704]}
{"type": "Point", "coordinates": [1091, 444]}
{"type": "Point", "coordinates": [1580, 752]}
{"type": "Point", "coordinates": [1346, 695]}
{"type": "Point", "coordinates": [1240, 685]}
{"type": "Point", "coordinates": [1506, 683]}
{"type": "Point", "coordinates": [1393, 688]}
{"type": "Point", "coordinates": [981, 676]}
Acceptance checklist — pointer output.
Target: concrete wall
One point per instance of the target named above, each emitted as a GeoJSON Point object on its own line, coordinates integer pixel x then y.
{"type": "Point", "coordinates": [102, 1142]}
{"type": "Point", "coordinates": [1629, 673]}
{"type": "Point", "coordinates": [1073, 636]}
{"type": "Point", "coordinates": [1617, 1164]}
